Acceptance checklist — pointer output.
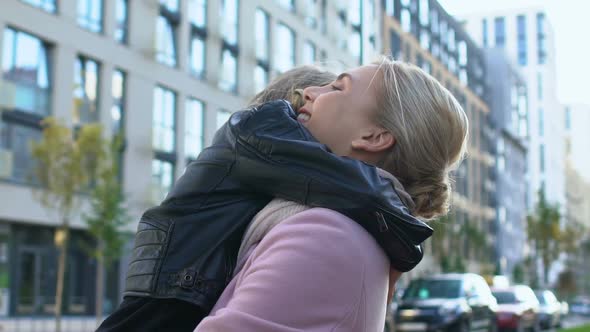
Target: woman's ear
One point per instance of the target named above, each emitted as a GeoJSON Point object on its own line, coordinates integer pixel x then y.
{"type": "Point", "coordinates": [374, 140]}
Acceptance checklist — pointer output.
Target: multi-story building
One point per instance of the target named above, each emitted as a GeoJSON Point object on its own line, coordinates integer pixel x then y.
{"type": "Point", "coordinates": [167, 73]}
{"type": "Point", "coordinates": [509, 111]}
{"type": "Point", "coordinates": [577, 122]}
{"type": "Point", "coordinates": [528, 40]}
{"type": "Point", "coordinates": [422, 32]}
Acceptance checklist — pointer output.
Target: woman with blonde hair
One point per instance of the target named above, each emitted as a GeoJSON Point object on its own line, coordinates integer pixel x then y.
{"type": "Point", "coordinates": [303, 268]}
{"type": "Point", "coordinates": [186, 248]}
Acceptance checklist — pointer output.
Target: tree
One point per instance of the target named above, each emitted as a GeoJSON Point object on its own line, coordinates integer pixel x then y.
{"type": "Point", "coordinates": [65, 163]}
{"type": "Point", "coordinates": [544, 232]}
{"type": "Point", "coordinates": [108, 215]}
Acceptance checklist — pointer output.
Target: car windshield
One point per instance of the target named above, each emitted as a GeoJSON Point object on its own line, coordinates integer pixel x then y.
{"type": "Point", "coordinates": [433, 289]}
{"type": "Point", "coordinates": [505, 297]}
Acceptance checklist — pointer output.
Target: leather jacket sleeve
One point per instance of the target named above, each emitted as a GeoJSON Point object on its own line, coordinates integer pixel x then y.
{"type": "Point", "coordinates": [277, 156]}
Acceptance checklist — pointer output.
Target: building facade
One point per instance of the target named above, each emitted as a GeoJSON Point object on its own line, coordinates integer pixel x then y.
{"type": "Point", "coordinates": [422, 32]}
{"type": "Point", "coordinates": [509, 115]}
{"type": "Point", "coordinates": [528, 40]}
{"type": "Point", "coordinates": [166, 74]}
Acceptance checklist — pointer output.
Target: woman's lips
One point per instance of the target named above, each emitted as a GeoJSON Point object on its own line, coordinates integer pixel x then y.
{"type": "Point", "coordinates": [303, 115]}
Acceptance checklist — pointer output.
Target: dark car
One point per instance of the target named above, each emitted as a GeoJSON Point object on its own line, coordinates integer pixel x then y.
{"type": "Point", "coordinates": [447, 302]}
{"type": "Point", "coordinates": [518, 308]}
{"type": "Point", "coordinates": [550, 309]}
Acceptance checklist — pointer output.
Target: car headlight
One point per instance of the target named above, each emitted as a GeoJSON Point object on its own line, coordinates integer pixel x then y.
{"type": "Point", "coordinates": [449, 309]}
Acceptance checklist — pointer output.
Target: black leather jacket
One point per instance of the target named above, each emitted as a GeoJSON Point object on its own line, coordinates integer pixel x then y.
{"type": "Point", "coordinates": [186, 248]}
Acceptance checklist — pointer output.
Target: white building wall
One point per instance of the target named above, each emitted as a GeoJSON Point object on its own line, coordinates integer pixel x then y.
{"type": "Point", "coordinates": [143, 74]}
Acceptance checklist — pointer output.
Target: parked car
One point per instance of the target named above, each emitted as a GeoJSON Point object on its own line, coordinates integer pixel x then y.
{"type": "Point", "coordinates": [549, 310]}
{"type": "Point", "coordinates": [518, 308]}
{"type": "Point", "coordinates": [580, 306]}
{"type": "Point", "coordinates": [446, 302]}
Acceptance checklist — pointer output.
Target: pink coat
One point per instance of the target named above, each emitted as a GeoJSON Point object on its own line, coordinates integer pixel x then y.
{"type": "Point", "coordinates": [317, 270]}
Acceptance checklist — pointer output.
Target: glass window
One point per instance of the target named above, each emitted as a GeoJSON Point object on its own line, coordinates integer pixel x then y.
{"type": "Point", "coordinates": [311, 13]}
{"type": "Point", "coordinates": [287, 4]}
{"type": "Point", "coordinates": [354, 44]}
{"type": "Point", "coordinates": [16, 139]}
{"type": "Point", "coordinates": [521, 37]}
{"type": "Point", "coordinates": [424, 12]}
{"type": "Point", "coordinates": [222, 117]}
{"type": "Point", "coordinates": [197, 54]}
{"type": "Point", "coordinates": [162, 177]}
{"type": "Point", "coordinates": [166, 41]}
{"type": "Point", "coordinates": [229, 19]}
{"type": "Point", "coordinates": [90, 15]}
{"type": "Point", "coordinates": [170, 5]}
{"type": "Point", "coordinates": [568, 118]}
{"type": "Point", "coordinates": [541, 122]}
{"type": "Point", "coordinates": [406, 20]}
{"type": "Point", "coordinates": [451, 40]}
{"type": "Point", "coordinates": [390, 7]}
{"type": "Point", "coordinates": [462, 53]}
{"type": "Point", "coordinates": [260, 78]}
{"type": "Point", "coordinates": [309, 53]}
{"type": "Point", "coordinates": [499, 31]}
{"type": "Point", "coordinates": [323, 16]}
{"type": "Point", "coordinates": [434, 21]}
{"type": "Point", "coordinates": [484, 31]}
{"type": "Point", "coordinates": [395, 44]}
{"type": "Point", "coordinates": [405, 3]}
{"type": "Point", "coordinates": [26, 73]}
{"type": "Point", "coordinates": [284, 48]}
{"type": "Point", "coordinates": [85, 91]}
{"type": "Point", "coordinates": [541, 51]}
{"type": "Point", "coordinates": [164, 120]}
{"type": "Point", "coordinates": [197, 13]}
{"type": "Point", "coordinates": [46, 5]}
{"type": "Point", "coordinates": [426, 67]}
{"type": "Point", "coordinates": [194, 138]}
{"type": "Point", "coordinates": [229, 71]}
{"type": "Point", "coordinates": [542, 158]}
{"type": "Point", "coordinates": [540, 86]}
{"type": "Point", "coordinates": [121, 17]}
{"type": "Point", "coordinates": [118, 108]}
{"type": "Point", "coordinates": [262, 35]}
{"type": "Point", "coordinates": [425, 39]}
{"type": "Point", "coordinates": [354, 12]}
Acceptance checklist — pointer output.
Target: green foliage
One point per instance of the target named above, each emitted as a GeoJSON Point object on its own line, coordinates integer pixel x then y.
{"type": "Point", "coordinates": [544, 232]}
{"type": "Point", "coordinates": [64, 164]}
{"type": "Point", "coordinates": [108, 213]}
{"type": "Point", "coordinates": [518, 274]}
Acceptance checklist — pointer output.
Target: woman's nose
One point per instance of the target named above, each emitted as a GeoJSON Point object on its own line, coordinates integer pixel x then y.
{"type": "Point", "coordinates": [310, 93]}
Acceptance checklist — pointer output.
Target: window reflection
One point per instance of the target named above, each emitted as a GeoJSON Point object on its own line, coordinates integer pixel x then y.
{"type": "Point", "coordinates": [194, 128]}
{"type": "Point", "coordinates": [163, 121]}
{"type": "Point", "coordinates": [165, 41]}
{"type": "Point", "coordinates": [262, 35]}
{"type": "Point", "coordinates": [229, 71]}
{"type": "Point", "coordinates": [85, 91]}
{"type": "Point", "coordinates": [162, 178]}
{"type": "Point", "coordinates": [222, 117]}
{"type": "Point", "coordinates": [46, 5]}
{"type": "Point", "coordinates": [197, 55]}
{"type": "Point", "coordinates": [285, 48]}
{"type": "Point", "coordinates": [121, 18]}
{"type": "Point", "coordinates": [309, 53]}
{"type": "Point", "coordinates": [229, 19]}
{"type": "Point", "coordinates": [260, 78]}
{"type": "Point", "coordinates": [90, 15]}
{"type": "Point", "coordinates": [25, 73]}
{"type": "Point", "coordinates": [197, 13]}
{"type": "Point", "coordinates": [118, 94]}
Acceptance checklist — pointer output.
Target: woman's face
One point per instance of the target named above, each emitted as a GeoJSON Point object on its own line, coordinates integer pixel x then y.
{"type": "Point", "coordinates": [342, 111]}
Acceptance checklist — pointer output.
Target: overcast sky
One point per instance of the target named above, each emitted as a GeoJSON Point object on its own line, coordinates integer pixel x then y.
{"type": "Point", "coordinates": [571, 23]}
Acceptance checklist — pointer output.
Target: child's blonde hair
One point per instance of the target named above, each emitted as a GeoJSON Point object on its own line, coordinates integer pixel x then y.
{"type": "Point", "coordinates": [290, 84]}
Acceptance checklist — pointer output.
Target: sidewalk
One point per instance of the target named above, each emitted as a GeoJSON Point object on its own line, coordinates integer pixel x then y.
{"type": "Point", "coordinates": [47, 324]}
